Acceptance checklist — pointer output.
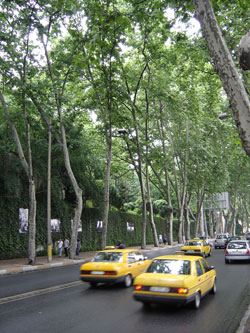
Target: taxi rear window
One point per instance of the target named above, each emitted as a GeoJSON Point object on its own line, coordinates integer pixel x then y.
{"type": "Point", "coordinates": [108, 256]}
{"type": "Point", "coordinates": [193, 243]}
{"type": "Point", "coordinates": [170, 266]}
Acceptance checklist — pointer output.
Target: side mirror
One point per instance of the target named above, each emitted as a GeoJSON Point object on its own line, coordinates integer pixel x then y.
{"type": "Point", "coordinates": [145, 258]}
{"type": "Point", "coordinates": [211, 267]}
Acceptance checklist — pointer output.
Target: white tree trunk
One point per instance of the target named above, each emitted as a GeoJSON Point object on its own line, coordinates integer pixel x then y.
{"type": "Point", "coordinates": [226, 69]}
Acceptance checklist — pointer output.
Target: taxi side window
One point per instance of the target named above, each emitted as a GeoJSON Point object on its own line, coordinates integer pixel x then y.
{"type": "Point", "coordinates": [131, 258]}
{"type": "Point", "coordinates": [205, 265]}
{"type": "Point", "coordinates": [138, 256]}
{"type": "Point", "coordinates": [198, 268]}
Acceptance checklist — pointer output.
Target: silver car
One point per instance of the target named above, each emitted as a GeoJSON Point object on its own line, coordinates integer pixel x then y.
{"type": "Point", "coordinates": [237, 250]}
{"type": "Point", "coordinates": [220, 240]}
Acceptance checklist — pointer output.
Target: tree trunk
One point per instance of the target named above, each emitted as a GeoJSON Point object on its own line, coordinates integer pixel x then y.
{"type": "Point", "coordinates": [106, 191]}
{"type": "Point", "coordinates": [49, 239]}
{"type": "Point", "coordinates": [226, 69]}
{"type": "Point", "coordinates": [32, 190]}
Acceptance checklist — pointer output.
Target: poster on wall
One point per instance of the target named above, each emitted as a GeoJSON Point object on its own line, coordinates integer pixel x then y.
{"type": "Point", "coordinates": [79, 225]}
{"type": "Point", "coordinates": [99, 226]}
{"type": "Point", "coordinates": [23, 220]}
{"type": "Point", "coordinates": [55, 225]}
{"type": "Point", "coordinates": [130, 226]}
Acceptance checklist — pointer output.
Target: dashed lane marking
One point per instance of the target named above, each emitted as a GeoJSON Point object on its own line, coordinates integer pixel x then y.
{"type": "Point", "coordinates": [39, 292]}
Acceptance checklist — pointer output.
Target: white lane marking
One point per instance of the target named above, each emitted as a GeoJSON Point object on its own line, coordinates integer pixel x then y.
{"type": "Point", "coordinates": [39, 292]}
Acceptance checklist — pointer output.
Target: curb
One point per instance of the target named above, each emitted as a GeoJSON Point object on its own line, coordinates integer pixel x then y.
{"type": "Point", "coordinates": [27, 268]}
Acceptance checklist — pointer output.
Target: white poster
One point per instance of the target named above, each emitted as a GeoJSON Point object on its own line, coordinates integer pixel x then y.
{"type": "Point", "coordinates": [23, 220]}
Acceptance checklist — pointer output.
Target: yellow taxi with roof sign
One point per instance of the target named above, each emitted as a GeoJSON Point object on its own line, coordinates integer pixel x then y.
{"type": "Point", "coordinates": [114, 266]}
{"type": "Point", "coordinates": [175, 279]}
{"type": "Point", "coordinates": [197, 246]}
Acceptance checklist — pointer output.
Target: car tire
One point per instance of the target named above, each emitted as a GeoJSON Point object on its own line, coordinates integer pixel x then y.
{"type": "Point", "coordinates": [214, 289]}
{"type": "Point", "coordinates": [93, 284]}
{"type": "Point", "coordinates": [209, 254]}
{"type": "Point", "coordinates": [128, 281]}
{"type": "Point", "coordinates": [197, 301]}
{"type": "Point", "coordinates": [204, 255]}
{"type": "Point", "coordinates": [215, 247]}
{"type": "Point", "coordinates": [226, 261]}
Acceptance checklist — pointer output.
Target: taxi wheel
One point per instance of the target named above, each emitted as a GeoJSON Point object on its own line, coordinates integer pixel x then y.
{"type": "Point", "coordinates": [197, 301]}
{"type": "Point", "coordinates": [93, 284]}
{"type": "Point", "coordinates": [128, 281]}
{"type": "Point", "coordinates": [204, 255]}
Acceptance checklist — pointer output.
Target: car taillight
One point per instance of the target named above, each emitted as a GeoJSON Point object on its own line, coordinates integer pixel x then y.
{"type": "Point", "coordinates": [247, 251]}
{"type": "Point", "coordinates": [110, 273]}
{"type": "Point", "coordinates": [182, 290]}
{"type": "Point", "coordinates": [85, 272]}
{"type": "Point", "coordinates": [215, 240]}
{"type": "Point", "coordinates": [178, 290]}
{"type": "Point", "coordinates": [141, 288]}
{"type": "Point", "coordinates": [226, 252]}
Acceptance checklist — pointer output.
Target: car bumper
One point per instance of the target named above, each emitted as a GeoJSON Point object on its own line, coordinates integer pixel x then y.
{"type": "Point", "coordinates": [149, 298]}
{"type": "Point", "coordinates": [237, 257]}
{"type": "Point", "coordinates": [102, 279]}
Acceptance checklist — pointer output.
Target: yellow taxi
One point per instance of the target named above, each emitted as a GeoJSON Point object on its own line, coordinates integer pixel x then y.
{"type": "Point", "coordinates": [197, 246]}
{"type": "Point", "coordinates": [175, 279]}
{"type": "Point", "coordinates": [114, 266]}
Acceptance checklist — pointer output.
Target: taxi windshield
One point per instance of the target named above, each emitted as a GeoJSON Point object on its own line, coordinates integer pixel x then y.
{"type": "Point", "coordinates": [193, 243]}
{"type": "Point", "coordinates": [170, 266]}
{"type": "Point", "coordinates": [108, 256]}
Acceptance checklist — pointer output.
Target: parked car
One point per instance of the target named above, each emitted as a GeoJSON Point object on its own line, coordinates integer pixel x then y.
{"type": "Point", "coordinates": [237, 250]}
{"type": "Point", "coordinates": [175, 279]}
{"type": "Point", "coordinates": [197, 246]}
{"type": "Point", "coordinates": [220, 240]}
{"type": "Point", "coordinates": [113, 266]}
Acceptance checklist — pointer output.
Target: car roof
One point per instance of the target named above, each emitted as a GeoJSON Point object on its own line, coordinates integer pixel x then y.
{"type": "Point", "coordinates": [194, 240]}
{"type": "Point", "coordinates": [179, 257]}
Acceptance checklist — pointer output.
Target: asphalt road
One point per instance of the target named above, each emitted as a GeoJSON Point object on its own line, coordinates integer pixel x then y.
{"type": "Point", "coordinates": [55, 300]}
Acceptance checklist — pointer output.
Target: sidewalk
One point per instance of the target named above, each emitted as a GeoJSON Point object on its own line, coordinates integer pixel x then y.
{"type": "Point", "coordinates": [20, 265]}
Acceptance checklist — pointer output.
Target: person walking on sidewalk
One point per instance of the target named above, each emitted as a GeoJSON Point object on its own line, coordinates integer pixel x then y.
{"type": "Point", "coordinates": [66, 246]}
{"type": "Point", "coordinates": [60, 245]}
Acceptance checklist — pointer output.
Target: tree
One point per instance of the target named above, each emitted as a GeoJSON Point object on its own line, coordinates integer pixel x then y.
{"type": "Point", "coordinates": [226, 69]}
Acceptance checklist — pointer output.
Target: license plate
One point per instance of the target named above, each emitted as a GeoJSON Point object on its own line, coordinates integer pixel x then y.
{"type": "Point", "coordinates": [97, 272]}
{"type": "Point", "coordinates": [160, 289]}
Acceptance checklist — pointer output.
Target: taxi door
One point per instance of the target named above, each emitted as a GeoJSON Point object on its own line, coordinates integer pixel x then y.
{"type": "Point", "coordinates": [201, 277]}
{"type": "Point", "coordinates": [132, 264]}
{"type": "Point", "coordinates": [208, 274]}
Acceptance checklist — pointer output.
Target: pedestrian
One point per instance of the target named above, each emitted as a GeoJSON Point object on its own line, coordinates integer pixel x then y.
{"type": "Point", "coordinates": [78, 245]}
{"type": "Point", "coordinates": [60, 245]}
{"type": "Point", "coordinates": [165, 239]}
{"type": "Point", "coordinates": [66, 246]}
{"type": "Point", "coordinates": [160, 240]}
